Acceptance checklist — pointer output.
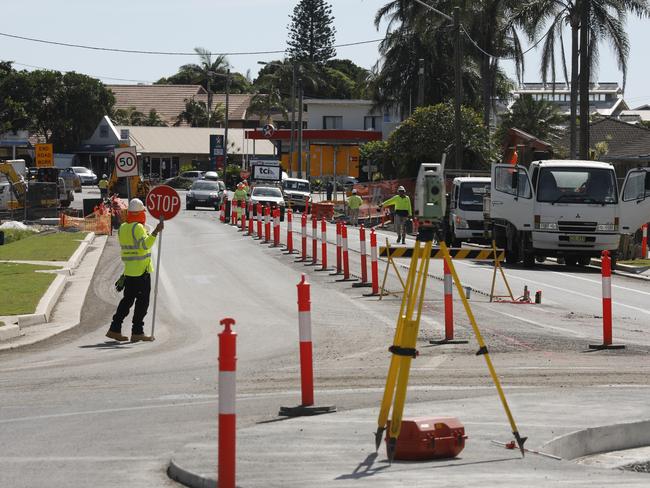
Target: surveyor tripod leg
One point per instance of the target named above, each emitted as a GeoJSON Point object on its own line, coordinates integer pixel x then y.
{"type": "Point", "coordinates": [407, 352]}
{"type": "Point", "coordinates": [483, 350]}
{"type": "Point", "coordinates": [391, 378]}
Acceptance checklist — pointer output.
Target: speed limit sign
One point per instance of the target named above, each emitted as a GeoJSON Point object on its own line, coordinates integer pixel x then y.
{"type": "Point", "coordinates": [126, 161]}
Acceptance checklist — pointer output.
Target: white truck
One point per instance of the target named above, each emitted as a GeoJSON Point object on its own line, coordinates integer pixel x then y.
{"type": "Point", "coordinates": [568, 209]}
{"type": "Point", "coordinates": [466, 222]}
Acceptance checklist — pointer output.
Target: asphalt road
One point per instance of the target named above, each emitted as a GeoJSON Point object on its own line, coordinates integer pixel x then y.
{"type": "Point", "coordinates": [79, 411]}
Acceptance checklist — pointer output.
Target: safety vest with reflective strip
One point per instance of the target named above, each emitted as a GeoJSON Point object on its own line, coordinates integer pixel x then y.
{"type": "Point", "coordinates": [400, 202]}
{"type": "Point", "coordinates": [136, 244]}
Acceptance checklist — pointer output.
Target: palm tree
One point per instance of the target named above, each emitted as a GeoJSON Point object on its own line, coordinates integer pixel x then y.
{"type": "Point", "coordinates": [196, 115]}
{"type": "Point", "coordinates": [268, 101]}
{"type": "Point", "coordinates": [153, 119]}
{"type": "Point", "coordinates": [415, 33]}
{"type": "Point", "coordinates": [605, 21]}
{"type": "Point", "coordinates": [539, 118]}
{"type": "Point", "coordinates": [128, 116]}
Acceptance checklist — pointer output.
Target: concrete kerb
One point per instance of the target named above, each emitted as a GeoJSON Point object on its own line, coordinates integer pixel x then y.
{"type": "Point", "coordinates": [9, 331]}
{"type": "Point", "coordinates": [601, 439]}
{"type": "Point", "coordinates": [184, 474]}
{"type": "Point", "coordinates": [49, 300]}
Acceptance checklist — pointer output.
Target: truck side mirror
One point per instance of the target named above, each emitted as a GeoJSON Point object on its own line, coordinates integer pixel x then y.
{"type": "Point", "coordinates": [515, 180]}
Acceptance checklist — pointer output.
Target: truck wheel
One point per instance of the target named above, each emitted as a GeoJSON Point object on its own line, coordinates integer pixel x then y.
{"type": "Point", "coordinates": [512, 256]}
{"type": "Point", "coordinates": [540, 259]}
{"type": "Point", "coordinates": [584, 261]}
{"type": "Point", "coordinates": [529, 260]}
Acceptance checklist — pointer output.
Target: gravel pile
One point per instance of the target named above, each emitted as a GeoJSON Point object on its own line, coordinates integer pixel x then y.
{"type": "Point", "coordinates": [638, 467]}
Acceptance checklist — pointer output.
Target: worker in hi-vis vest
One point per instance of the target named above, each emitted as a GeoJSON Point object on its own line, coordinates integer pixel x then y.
{"type": "Point", "coordinates": [136, 244]}
{"type": "Point", "coordinates": [240, 195]}
{"type": "Point", "coordinates": [403, 212]}
{"type": "Point", "coordinates": [354, 203]}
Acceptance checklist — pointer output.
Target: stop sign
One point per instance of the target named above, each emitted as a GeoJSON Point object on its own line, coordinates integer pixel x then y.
{"type": "Point", "coordinates": [163, 202]}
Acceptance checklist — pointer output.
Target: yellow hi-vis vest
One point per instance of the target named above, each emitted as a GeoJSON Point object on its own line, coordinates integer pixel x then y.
{"type": "Point", "coordinates": [401, 203]}
{"type": "Point", "coordinates": [136, 244]}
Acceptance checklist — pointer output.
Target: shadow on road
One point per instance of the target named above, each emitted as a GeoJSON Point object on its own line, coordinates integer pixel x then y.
{"type": "Point", "coordinates": [107, 345]}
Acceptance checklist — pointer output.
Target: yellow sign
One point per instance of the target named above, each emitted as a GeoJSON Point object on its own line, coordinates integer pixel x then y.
{"type": "Point", "coordinates": [44, 156]}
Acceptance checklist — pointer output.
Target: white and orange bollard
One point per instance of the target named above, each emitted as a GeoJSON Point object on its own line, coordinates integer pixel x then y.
{"type": "Point", "coordinates": [644, 242]}
{"type": "Point", "coordinates": [226, 458]}
{"type": "Point", "coordinates": [276, 227]}
{"type": "Point", "coordinates": [364, 259]}
{"type": "Point", "coordinates": [233, 212]}
{"type": "Point", "coordinates": [306, 358]}
{"type": "Point", "coordinates": [339, 259]}
{"type": "Point", "coordinates": [267, 224]}
{"type": "Point", "coordinates": [250, 219]}
{"type": "Point", "coordinates": [374, 265]}
{"type": "Point", "coordinates": [449, 308]}
{"type": "Point", "coordinates": [314, 241]}
{"type": "Point", "coordinates": [289, 231]}
{"type": "Point", "coordinates": [242, 209]}
{"type": "Point", "coordinates": [346, 255]}
{"type": "Point", "coordinates": [258, 218]}
{"type": "Point", "coordinates": [303, 237]}
{"type": "Point", "coordinates": [606, 270]}
{"type": "Point", "coordinates": [222, 211]}
{"type": "Point", "coordinates": [323, 245]}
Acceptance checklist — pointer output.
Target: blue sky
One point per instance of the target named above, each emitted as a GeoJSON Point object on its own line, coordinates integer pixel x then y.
{"type": "Point", "coordinates": [221, 26]}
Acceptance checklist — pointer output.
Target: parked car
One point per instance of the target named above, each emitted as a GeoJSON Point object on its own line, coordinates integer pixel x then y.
{"type": "Point", "coordinates": [192, 175]}
{"type": "Point", "coordinates": [72, 179]}
{"type": "Point", "coordinates": [345, 182]}
{"type": "Point", "coordinates": [205, 193]}
{"type": "Point", "coordinates": [268, 195]}
{"type": "Point", "coordinates": [211, 175]}
{"type": "Point", "coordinates": [87, 176]}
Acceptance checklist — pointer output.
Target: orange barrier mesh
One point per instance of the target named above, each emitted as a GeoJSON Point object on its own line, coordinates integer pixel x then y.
{"type": "Point", "coordinates": [99, 223]}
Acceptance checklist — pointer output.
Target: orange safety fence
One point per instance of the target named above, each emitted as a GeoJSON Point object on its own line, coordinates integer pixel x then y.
{"type": "Point", "coordinates": [98, 222]}
{"type": "Point", "coordinates": [373, 194]}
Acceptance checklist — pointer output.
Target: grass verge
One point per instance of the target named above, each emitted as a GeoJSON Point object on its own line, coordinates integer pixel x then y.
{"type": "Point", "coordinates": [13, 235]}
{"type": "Point", "coordinates": [22, 287]}
{"type": "Point", "coordinates": [50, 247]}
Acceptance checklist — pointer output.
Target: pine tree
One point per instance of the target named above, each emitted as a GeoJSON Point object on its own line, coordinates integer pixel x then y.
{"type": "Point", "coordinates": [311, 34]}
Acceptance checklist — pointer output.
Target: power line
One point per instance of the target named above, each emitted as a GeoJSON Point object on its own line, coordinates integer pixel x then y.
{"type": "Point", "coordinates": [94, 76]}
{"type": "Point", "coordinates": [165, 53]}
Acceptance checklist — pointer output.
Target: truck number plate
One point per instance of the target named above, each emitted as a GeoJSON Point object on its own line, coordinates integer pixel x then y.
{"type": "Point", "coordinates": [577, 238]}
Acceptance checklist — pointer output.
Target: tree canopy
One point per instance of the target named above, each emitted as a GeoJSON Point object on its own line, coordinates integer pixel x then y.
{"type": "Point", "coordinates": [63, 109]}
{"type": "Point", "coordinates": [311, 33]}
{"type": "Point", "coordinates": [429, 133]}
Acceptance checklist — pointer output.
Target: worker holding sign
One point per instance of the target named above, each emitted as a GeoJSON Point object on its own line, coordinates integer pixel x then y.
{"type": "Point", "coordinates": [136, 244]}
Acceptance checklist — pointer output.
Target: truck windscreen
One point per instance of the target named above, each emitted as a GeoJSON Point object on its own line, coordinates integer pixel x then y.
{"type": "Point", "coordinates": [577, 185]}
{"type": "Point", "coordinates": [296, 185]}
{"type": "Point", "coordinates": [471, 195]}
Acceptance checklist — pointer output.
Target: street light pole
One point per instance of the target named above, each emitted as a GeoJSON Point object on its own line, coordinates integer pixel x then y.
{"type": "Point", "coordinates": [458, 89]}
{"type": "Point", "coordinates": [225, 136]}
{"type": "Point", "coordinates": [292, 146]}
{"type": "Point", "coordinates": [300, 108]}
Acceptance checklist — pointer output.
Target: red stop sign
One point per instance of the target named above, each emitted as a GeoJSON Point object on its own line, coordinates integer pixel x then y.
{"type": "Point", "coordinates": [163, 202]}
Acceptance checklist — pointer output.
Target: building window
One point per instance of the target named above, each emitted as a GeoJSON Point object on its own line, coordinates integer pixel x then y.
{"type": "Point", "coordinates": [371, 122]}
{"type": "Point", "coordinates": [332, 122]}
{"type": "Point", "coordinates": [103, 131]}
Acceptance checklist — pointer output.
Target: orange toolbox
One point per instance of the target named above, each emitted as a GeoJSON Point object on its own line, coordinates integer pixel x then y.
{"type": "Point", "coordinates": [429, 438]}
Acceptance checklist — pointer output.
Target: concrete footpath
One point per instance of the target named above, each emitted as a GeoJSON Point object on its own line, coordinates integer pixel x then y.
{"type": "Point", "coordinates": [338, 449]}
{"type": "Point", "coordinates": [60, 308]}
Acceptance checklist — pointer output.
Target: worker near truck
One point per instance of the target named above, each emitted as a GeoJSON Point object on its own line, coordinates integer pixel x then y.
{"type": "Point", "coordinates": [403, 212]}
{"type": "Point", "coordinates": [136, 244]}
{"type": "Point", "coordinates": [354, 203]}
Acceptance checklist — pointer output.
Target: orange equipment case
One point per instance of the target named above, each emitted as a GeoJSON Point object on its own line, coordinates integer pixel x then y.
{"type": "Point", "coordinates": [429, 438]}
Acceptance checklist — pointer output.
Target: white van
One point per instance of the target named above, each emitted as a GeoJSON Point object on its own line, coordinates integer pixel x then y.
{"type": "Point", "coordinates": [466, 222]}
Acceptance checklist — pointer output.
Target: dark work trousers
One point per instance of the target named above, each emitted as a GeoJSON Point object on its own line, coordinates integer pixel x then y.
{"type": "Point", "coordinates": [136, 289]}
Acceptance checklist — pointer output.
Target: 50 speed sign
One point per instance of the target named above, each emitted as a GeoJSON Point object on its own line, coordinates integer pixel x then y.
{"type": "Point", "coordinates": [126, 161]}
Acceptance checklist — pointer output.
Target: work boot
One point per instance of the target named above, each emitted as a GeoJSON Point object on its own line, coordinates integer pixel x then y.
{"type": "Point", "coordinates": [141, 337]}
{"type": "Point", "coordinates": [116, 335]}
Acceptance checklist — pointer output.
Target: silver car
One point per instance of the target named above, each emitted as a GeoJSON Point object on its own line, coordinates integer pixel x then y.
{"type": "Point", "coordinates": [86, 176]}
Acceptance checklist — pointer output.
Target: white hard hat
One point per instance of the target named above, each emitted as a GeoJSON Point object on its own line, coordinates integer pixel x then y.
{"type": "Point", "coordinates": [136, 205]}
{"type": "Point", "coordinates": [354, 191]}
{"type": "Point", "coordinates": [401, 188]}
{"type": "Point", "coordinates": [104, 176]}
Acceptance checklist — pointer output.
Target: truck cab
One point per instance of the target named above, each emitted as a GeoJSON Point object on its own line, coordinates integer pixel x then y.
{"type": "Point", "coordinates": [466, 222]}
{"type": "Point", "coordinates": [568, 209]}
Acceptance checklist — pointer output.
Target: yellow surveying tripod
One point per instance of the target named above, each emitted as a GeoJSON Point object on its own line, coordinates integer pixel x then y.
{"type": "Point", "coordinates": [404, 349]}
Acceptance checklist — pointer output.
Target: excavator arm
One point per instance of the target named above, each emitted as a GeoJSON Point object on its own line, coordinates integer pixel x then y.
{"type": "Point", "coordinates": [18, 185]}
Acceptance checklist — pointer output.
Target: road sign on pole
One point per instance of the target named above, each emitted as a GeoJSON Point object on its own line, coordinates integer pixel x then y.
{"type": "Point", "coordinates": [126, 161]}
{"type": "Point", "coordinates": [44, 156]}
{"type": "Point", "coordinates": [163, 203]}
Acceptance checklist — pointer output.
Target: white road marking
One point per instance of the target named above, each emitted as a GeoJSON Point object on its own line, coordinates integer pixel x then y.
{"type": "Point", "coordinates": [538, 324]}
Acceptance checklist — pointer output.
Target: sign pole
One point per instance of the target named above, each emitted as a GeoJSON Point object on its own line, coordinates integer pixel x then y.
{"type": "Point", "coordinates": [155, 288]}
